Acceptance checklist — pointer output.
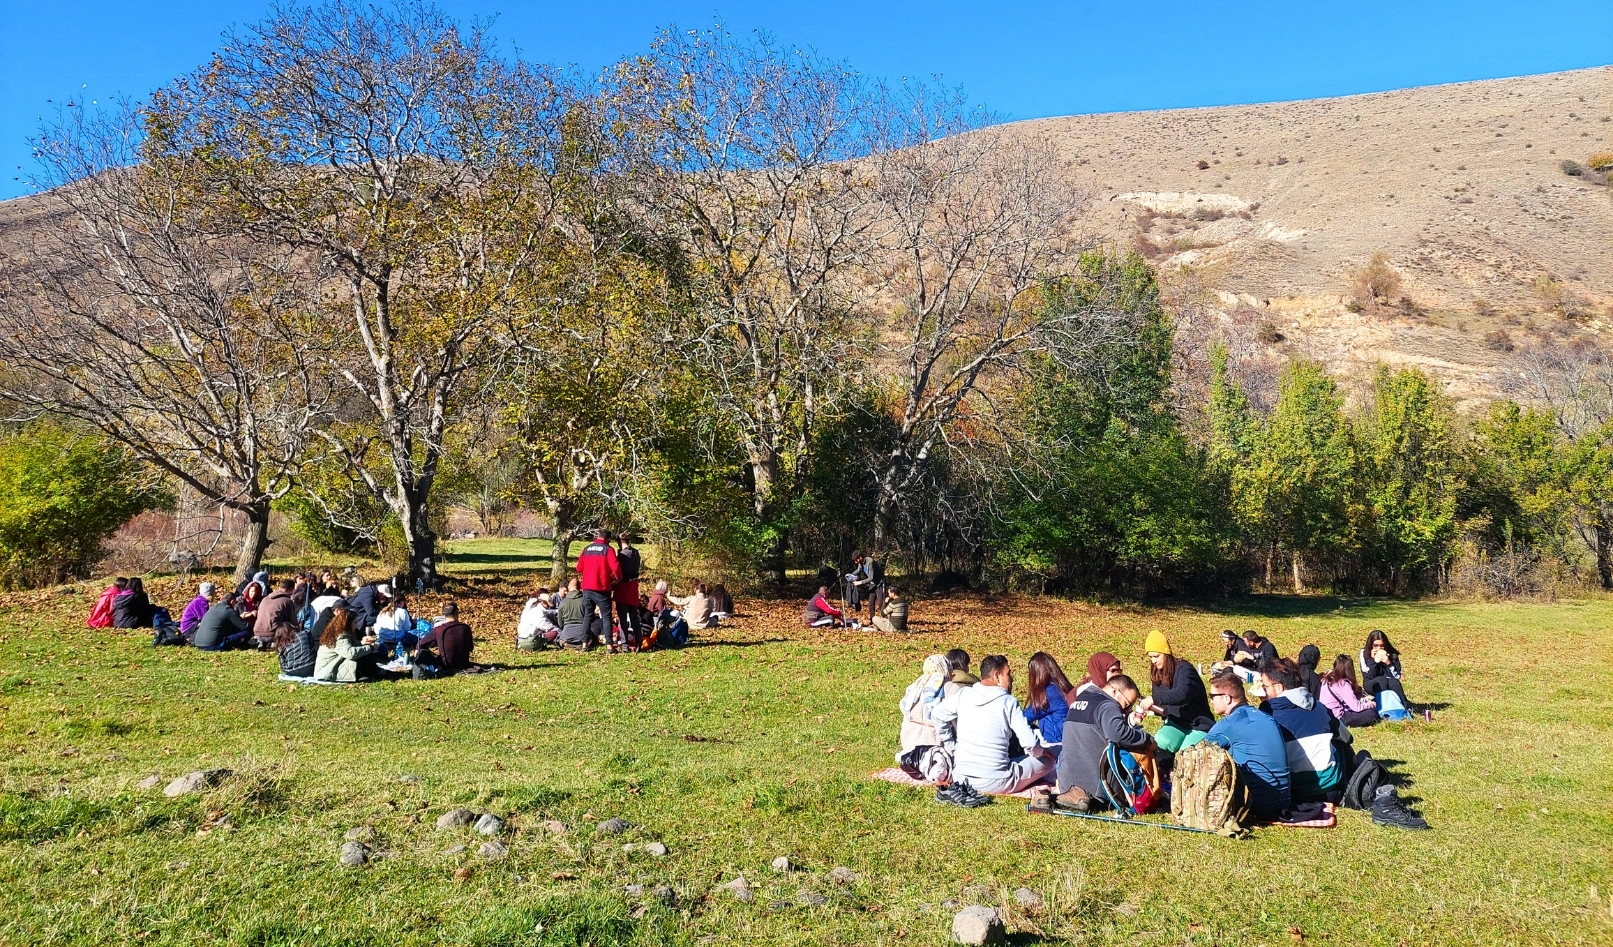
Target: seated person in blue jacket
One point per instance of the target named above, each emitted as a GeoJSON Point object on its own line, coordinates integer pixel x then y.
{"type": "Point", "coordinates": [1046, 704]}
{"type": "Point", "coordinates": [1315, 773]}
{"type": "Point", "coordinates": [1255, 743]}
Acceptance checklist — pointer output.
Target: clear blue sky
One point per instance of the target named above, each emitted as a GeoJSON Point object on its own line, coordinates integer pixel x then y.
{"type": "Point", "coordinates": [1022, 60]}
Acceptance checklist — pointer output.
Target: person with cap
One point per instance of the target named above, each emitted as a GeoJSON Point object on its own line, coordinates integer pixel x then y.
{"type": "Point", "coordinates": [192, 615]}
{"type": "Point", "coordinates": [598, 571]}
{"type": "Point", "coordinates": [1177, 695]}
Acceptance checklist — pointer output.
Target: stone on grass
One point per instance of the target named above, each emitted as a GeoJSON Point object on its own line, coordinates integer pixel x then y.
{"type": "Point", "coordinates": [810, 898]}
{"type": "Point", "coordinates": [613, 826]}
{"type": "Point", "coordinates": [455, 819]}
{"type": "Point", "coordinates": [663, 893]}
{"type": "Point", "coordinates": [360, 833]}
{"type": "Point", "coordinates": [1027, 899]}
{"type": "Point", "coordinates": [740, 889]}
{"type": "Point", "coordinates": [354, 854]}
{"type": "Point", "coordinates": [195, 782]}
{"type": "Point", "coordinates": [489, 824]}
{"type": "Point", "coordinates": [454, 850]}
{"type": "Point", "coordinates": [408, 778]}
{"type": "Point", "coordinates": [556, 827]}
{"type": "Point", "coordinates": [633, 891]}
{"type": "Point", "coordinates": [977, 925]}
{"type": "Point", "coordinates": [150, 782]}
{"type": "Point", "coordinates": [494, 850]}
{"type": "Point", "coordinates": [783, 863]}
{"type": "Point", "coordinates": [841, 875]}
{"type": "Point", "coordinates": [653, 849]}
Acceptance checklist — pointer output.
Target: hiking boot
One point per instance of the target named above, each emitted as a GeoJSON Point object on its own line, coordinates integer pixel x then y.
{"type": "Point", "coordinates": [1075, 799]}
{"type": "Point", "coordinates": [1387, 809]}
{"type": "Point", "coordinates": [1041, 801]}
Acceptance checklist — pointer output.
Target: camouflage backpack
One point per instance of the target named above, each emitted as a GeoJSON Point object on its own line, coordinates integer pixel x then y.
{"type": "Point", "coordinates": [1206, 792]}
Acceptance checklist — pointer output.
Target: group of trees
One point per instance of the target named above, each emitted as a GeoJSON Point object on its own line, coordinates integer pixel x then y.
{"type": "Point", "coordinates": [360, 266]}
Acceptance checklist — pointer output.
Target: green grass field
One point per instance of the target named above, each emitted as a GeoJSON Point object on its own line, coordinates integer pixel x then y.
{"type": "Point", "coordinates": [755, 743]}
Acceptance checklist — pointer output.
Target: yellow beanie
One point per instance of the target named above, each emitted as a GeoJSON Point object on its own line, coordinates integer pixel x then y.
{"type": "Point", "coordinates": [1157, 643]}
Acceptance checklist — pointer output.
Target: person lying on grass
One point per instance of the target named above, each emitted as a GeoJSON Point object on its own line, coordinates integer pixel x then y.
{"type": "Point", "coordinates": [1177, 695]}
{"type": "Point", "coordinates": [976, 725]}
{"type": "Point", "coordinates": [1343, 698]}
{"type": "Point", "coordinates": [345, 653]}
{"type": "Point", "coordinates": [1308, 731]}
{"type": "Point", "coordinates": [1255, 743]}
{"type": "Point", "coordinates": [1097, 718]}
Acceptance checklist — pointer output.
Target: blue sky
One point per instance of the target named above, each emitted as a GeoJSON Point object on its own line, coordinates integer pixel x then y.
{"type": "Point", "coordinates": [1022, 60]}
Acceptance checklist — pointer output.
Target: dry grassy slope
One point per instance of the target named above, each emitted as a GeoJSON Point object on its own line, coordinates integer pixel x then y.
{"type": "Point", "coordinates": [1459, 184]}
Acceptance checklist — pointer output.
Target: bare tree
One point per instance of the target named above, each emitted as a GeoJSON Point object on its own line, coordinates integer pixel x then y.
{"type": "Point", "coordinates": [746, 153]}
{"type": "Point", "coordinates": [149, 319]}
{"type": "Point", "coordinates": [407, 164]}
{"type": "Point", "coordinates": [978, 219]}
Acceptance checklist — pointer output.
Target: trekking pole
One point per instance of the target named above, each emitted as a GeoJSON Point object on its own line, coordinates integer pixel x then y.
{"type": "Point", "coordinates": [1123, 821]}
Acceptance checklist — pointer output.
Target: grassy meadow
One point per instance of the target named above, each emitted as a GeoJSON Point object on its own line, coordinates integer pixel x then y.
{"type": "Point", "coordinates": [757, 742]}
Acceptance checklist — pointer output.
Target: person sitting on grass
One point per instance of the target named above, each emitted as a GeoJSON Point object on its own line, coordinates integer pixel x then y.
{"type": "Point", "coordinates": [277, 608]}
{"type": "Point", "coordinates": [345, 653]}
{"type": "Point", "coordinates": [195, 609]}
{"type": "Point", "coordinates": [447, 647]}
{"type": "Point", "coordinates": [365, 602]}
{"type": "Point", "coordinates": [1342, 696]}
{"type": "Point", "coordinates": [133, 608]}
{"type": "Point", "coordinates": [958, 664]}
{"type": "Point", "coordinates": [977, 724]}
{"type": "Point", "coordinates": [1177, 695]}
{"type": "Point", "coordinates": [1246, 653]}
{"type": "Point", "coordinates": [538, 626]}
{"type": "Point", "coordinates": [221, 627]}
{"type": "Point", "coordinates": [696, 607]}
{"type": "Point", "coordinates": [1307, 660]}
{"type": "Point", "coordinates": [932, 687]}
{"type": "Point", "coordinates": [1380, 669]}
{"type": "Point", "coordinates": [297, 648]}
{"type": "Point", "coordinates": [820, 614]}
{"type": "Point", "coordinates": [722, 603]}
{"type": "Point", "coordinates": [101, 611]}
{"type": "Point", "coordinates": [1100, 667]}
{"type": "Point", "coordinates": [247, 601]}
{"type": "Point", "coordinates": [893, 614]}
{"type": "Point", "coordinates": [1047, 703]}
{"type": "Point", "coordinates": [577, 631]}
{"type": "Point", "coordinates": [1255, 743]}
{"type": "Point", "coordinates": [1314, 770]}
{"type": "Point", "coordinates": [394, 625]}
{"type": "Point", "coordinates": [1097, 718]}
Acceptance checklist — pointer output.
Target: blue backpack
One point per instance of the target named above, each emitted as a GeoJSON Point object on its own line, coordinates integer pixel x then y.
{"type": "Point", "coordinates": [675, 635]}
{"type": "Point", "coordinates": [1390, 707]}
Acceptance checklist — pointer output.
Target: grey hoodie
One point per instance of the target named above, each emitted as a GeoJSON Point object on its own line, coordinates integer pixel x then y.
{"type": "Point", "coordinates": [975, 724]}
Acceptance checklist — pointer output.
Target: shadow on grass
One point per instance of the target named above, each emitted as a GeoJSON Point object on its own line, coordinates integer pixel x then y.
{"type": "Point", "coordinates": [718, 643]}
{"type": "Point", "coordinates": [1287, 606]}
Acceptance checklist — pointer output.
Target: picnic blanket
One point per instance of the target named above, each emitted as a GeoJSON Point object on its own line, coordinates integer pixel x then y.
{"type": "Point", "coordinates": [897, 775]}
{"type": "Point", "coordinates": [293, 679]}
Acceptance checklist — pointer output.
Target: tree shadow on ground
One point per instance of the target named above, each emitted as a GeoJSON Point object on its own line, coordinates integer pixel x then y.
{"type": "Point", "coordinates": [1287, 606]}
{"type": "Point", "coordinates": [719, 643]}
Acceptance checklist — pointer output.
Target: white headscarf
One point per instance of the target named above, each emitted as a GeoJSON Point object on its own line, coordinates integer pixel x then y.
{"type": "Point", "coordinates": [927, 689]}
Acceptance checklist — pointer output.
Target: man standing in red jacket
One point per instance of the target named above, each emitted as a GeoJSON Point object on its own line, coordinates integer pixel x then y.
{"type": "Point", "coordinates": [598, 572]}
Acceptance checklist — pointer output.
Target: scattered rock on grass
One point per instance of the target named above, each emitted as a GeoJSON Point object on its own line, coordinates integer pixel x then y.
{"type": "Point", "coordinates": [408, 778]}
{"type": "Point", "coordinates": [455, 819]}
{"type": "Point", "coordinates": [489, 824]}
{"type": "Point", "coordinates": [841, 875]}
{"type": "Point", "coordinates": [354, 854]}
{"type": "Point", "coordinates": [360, 833]}
{"type": "Point", "coordinates": [740, 889]}
{"type": "Point", "coordinates": [783, 863]}
{"type": "Point", "coordinates": [654, 849]}
{"type": "Point", "coordinates": [453, 850]}
{"type": "Point", "coordinates": [150, 782]}
{"type": "Point", "coordinates": [494, 850]}
{"type": "Point", "coordinates": [198, 781]}
{"type": "Point", "coordinates": [810, 898]}
{"type": "Point", "coordinates": [977, 925]}
{"type": "Point", "coordinates": [556, 827]}
{"type": "Point", "coordinates": [663, 893]}
{"type": "Point", "coordinates": [613, 827]}
{"type": "Point", "coordinates": [1027, 899]}
{"type": "Point", "coordinates": [633, 891]}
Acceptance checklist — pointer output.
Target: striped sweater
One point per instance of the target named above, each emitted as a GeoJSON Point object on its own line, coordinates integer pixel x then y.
{"type": "Point", "coordinates": [1307, 730]}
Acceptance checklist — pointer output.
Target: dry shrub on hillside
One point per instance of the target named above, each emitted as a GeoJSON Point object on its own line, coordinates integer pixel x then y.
{"type": "Point", "coordinates": [1374, 284]}
{"type": "Point", "coordinates": [1601, 161]}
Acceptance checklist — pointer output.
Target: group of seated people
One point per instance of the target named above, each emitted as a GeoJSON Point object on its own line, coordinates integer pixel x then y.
{"type": "Point", "coordinates": [887, 611]}
{"type": "Point", "coordinates": [1290, 752]}
{"type": "Point", "coordinates": [317, 629]}
{"type": "Point", "coordinates": [578, 616]}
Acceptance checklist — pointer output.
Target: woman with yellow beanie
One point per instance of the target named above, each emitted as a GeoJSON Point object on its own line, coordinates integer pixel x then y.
{"type": "Point", "coordinates": [1177, 696]}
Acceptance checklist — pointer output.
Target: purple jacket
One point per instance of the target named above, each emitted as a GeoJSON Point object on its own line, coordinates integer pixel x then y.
{"type": "Point", "coordinates": [193, 615]}
{"type": "Point", "coordinates": [1339, 699]}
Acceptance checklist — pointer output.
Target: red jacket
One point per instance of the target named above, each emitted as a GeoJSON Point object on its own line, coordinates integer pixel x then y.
{"type": "Point", "coordinates": [101, 614]}
{"type": "Point", "coordinates": [597, 568]}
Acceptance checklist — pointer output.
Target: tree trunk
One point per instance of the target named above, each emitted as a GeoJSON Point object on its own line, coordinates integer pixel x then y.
{"type": "Point", "coordinates": [1271, 555]}
{"type": "Point", "coordinates": [1604, 552]}
{"type": "Point", "coordinates": [563, 518]}
{"type": "Point", "coordinates": [764, 476]}
{"type": "Point", "coordinates": [1299, 581]}
{"type": "Point", "coordinates": [422, 542]}
{"type": "Point", "coordinates": [255, 543]}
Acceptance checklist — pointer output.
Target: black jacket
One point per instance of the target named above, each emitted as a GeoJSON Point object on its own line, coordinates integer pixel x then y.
{"type": "Point", "coordinates": [364, 606]}
{"type": "Point", "coordinates": [1369, 671]}
{"type": "Point", "coordinates": [131, 610]}
{"type": "Point", "coordinates": [219, 622]}
{"type": "Point", "coordinates": [1183, 702]}
{"type": "Point", "coordinates": [1094, 722]}
{"type": "Point", "coordinates": [630, 562]}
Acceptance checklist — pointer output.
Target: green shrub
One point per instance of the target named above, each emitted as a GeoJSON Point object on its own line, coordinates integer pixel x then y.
{"type": "Point", "coordinates": [62, 494]}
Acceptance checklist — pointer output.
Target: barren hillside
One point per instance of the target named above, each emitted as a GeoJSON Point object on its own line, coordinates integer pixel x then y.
{"type": "Point", "coordinates": [1462, 186]}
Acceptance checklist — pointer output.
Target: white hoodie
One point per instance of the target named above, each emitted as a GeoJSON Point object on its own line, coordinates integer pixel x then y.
{"type": "Point", "coordinates": [975, 724]}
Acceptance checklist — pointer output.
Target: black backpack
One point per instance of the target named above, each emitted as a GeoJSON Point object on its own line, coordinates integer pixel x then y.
{"type": "Point", "coordinates": [1366, 775]}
